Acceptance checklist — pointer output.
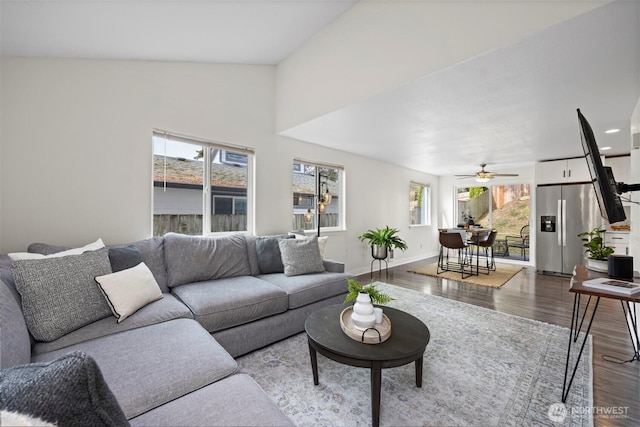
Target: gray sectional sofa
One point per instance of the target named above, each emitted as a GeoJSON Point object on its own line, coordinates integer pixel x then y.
{"type": "Point", "coordinates": [169, 362]}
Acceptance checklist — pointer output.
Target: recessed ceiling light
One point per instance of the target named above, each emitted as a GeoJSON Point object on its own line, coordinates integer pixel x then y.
{"type": "Point", "coordinates": [605, 148]}
{"type": "Point", "coordinates": [612, 131]}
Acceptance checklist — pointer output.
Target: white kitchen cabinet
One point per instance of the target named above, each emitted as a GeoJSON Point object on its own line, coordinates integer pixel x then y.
{"type": "Point", "coordinates": [562, 171]}
{"type": "Point", "coordinates": [619, 241]}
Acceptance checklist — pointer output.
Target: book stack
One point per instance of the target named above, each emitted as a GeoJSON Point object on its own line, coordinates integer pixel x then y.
{"type": "Point", "coordinates": [613, 285]}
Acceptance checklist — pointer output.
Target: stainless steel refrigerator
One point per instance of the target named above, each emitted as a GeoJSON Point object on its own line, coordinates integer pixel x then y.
{"type": "Point", "coordinates": [562, 212]}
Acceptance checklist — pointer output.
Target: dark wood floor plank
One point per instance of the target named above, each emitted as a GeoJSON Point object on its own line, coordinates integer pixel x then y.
{"type": "Point", "coordinates": [616, 387]}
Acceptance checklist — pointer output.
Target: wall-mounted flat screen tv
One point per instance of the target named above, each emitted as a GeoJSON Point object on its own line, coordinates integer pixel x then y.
{"type": "Point", "coordinates": [602, 177]}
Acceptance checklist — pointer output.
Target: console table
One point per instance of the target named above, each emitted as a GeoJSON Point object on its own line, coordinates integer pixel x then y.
{"type": "Point", "coordinates": [628, 303]}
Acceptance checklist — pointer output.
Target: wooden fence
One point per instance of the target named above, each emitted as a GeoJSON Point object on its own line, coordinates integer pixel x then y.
{"type": "Point", "coordinates": [477, 207]}
{"type": "Point", "coordinates": [192, 224]}
{"type": "Point", "coordinates": [326, 220]}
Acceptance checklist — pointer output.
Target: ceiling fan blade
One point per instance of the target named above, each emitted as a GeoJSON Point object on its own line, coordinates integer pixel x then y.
{"type": "Point", "coordinates": [506, 174]}
{"type": "Point", "coordinates": [465, 176]}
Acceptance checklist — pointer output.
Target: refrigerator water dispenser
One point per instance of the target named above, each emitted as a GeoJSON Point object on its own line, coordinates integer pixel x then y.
{"type": "Point", "coordinates": [548, 224]}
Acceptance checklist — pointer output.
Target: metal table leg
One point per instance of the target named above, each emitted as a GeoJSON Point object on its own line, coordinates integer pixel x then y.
{"type": "Point", "coordinates": [576, 328]}
{"type": "Point", "coordinates": [631, 319]}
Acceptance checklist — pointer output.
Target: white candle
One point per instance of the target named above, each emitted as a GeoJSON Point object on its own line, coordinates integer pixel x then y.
{"type": "Point", "coordinates": [378, 312]}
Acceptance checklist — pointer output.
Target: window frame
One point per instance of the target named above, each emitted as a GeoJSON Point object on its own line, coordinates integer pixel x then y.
{"type": "Point", "coordinates": [207, 189]}
{"type": "Point", "coordinates": [490, 187]}
{"type": "Point", "coordinates": [427, 200]}
{"type": "Point", "coordinates": [339, 196]}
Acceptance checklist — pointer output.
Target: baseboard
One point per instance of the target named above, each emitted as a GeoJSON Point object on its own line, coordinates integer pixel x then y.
{"type": "Point", "coordinates": [395, 263]}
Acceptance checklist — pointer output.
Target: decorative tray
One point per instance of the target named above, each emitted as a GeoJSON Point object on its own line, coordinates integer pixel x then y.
{"type": "Point", "coordinates": [380, 332]}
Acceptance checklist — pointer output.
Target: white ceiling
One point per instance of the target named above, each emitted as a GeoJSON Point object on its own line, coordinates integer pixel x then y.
{"type": "Point", "coordinates": [511, 106]}
{"type": "Point", "coordinates": [220, 31]}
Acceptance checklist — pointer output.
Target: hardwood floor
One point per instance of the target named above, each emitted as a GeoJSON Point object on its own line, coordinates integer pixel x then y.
{"type": "Point", "coordinates": [616, 387]}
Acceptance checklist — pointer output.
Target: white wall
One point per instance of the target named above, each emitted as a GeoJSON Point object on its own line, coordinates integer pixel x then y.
{"type": "Point", "coordinates": [377, 46]}
{"type": "Point", "coordinates": [377, 195]}
{"type": "Point", "coordinates": [77, 145]}
{"type": "Point", "coordinates": [634, 235]}
{"type": "Point", "coordinates": [76, 152]}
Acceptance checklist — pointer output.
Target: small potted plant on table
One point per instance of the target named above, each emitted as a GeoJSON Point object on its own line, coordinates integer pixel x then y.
{"type": "Point", "coordinates": [376, 296]}
{"type": "Point", "coordinates": [596, 250]}
{"type": "Point", "coordinates": [363, 315]}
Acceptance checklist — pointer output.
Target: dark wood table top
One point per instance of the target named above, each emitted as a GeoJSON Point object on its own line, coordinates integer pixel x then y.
{"type": "Point", "coordinates": [409, 336]}
{"type": "Point", "coordinates": [582, 273]}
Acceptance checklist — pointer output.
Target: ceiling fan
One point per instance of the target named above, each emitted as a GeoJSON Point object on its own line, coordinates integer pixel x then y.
{"type": "Point", "coordinates": [484, 175]}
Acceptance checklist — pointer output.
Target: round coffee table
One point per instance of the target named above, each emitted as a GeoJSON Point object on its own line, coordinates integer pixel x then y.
{"type": "Point", "coordinates": [408, 340]}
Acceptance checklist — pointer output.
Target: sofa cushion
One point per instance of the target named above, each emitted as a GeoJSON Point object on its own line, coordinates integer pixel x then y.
{"type": "Point", "coordinates": [46, 248]}
{"type": "Point", "coordinates": [252, 254]}
{"type": "Point", "coordinates": [197, 258]}
{"type": "Point", "coordinates": [152, 250]}
{"type": "Point", "coordinates": [15, 345]}
{"type": "Point", "coordinates": [301, 256]}
{"type": "Point", "coordinates": [49, 251]}
{"type": "Point", "coordinates": [127, 291]}
{"type": "Point", "coordinates": [148, 367]}
{"type": "Point", "coordinates": [124, 257]}
{"type": "Point", "coordinates": [69, 391]}
{"type": "Point", "coordinates": [309, 288]}
{"type": "Point", "coordinates": [268, 252]}
{"type": "Point", "coordinates": [165, 309]}
{"type": "Point", "coordinates": [223, 303]}
{"type": "Point", "coordinates": [220, 404]}
{"type": "Point", "coordinates": [60, 295]}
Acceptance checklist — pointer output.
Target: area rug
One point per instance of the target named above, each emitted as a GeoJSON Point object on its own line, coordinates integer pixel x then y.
{"type": "Point", "coordinates": [481, 368]}
{"type": "Point", "coordinates": [495, 279]}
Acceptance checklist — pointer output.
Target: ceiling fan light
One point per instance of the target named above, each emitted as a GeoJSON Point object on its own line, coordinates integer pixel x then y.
{"type": "Point", "coordinates": [483, 178]}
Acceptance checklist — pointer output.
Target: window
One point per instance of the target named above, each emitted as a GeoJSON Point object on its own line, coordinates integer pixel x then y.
{"type": "Point", "coordinates": [419, 204]}
{"type": "Point", "coordinates": [317, 196]}
{"type": "Point", "coordinates": [505, 208]}
{"type": "Point", "coordinates": [192, 177]}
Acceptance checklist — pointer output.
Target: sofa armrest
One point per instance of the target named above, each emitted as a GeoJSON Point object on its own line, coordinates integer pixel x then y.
{"type": "Point", "coordinates": [333, 266]}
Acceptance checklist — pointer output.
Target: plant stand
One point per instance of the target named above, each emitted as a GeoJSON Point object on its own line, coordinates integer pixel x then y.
{"type": "Point", "coordinates": [386, 264]}
{"type": "Point", "coordinates": [380, 254]}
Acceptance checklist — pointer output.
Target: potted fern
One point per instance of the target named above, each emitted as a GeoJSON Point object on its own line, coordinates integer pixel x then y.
{"type": "Point", "coordinates": [596, 250]}
{"type": "Point", "coordinates": [383, 239]}
{"type": "Point", "coordinates": [376, 296]}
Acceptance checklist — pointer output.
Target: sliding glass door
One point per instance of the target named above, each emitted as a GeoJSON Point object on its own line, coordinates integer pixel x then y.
{"type": "Point", "coordinates": [506, 208]}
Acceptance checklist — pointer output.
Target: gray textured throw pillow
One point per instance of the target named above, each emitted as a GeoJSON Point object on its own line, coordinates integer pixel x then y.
{"type": "Point", "coordinates": [69, 391]}
{"type": "Point", "coordinates": [60, 295]}
{"type": "Point", "coordinates": [301, 256]}
{"type": "Point", "coordinates": [269, 256]}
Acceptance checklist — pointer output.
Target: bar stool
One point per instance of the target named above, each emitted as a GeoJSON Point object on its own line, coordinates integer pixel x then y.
{"type": "Point", "coordinates": [453, 240]}
{"type": "Point", "coordinates": [486, 241]}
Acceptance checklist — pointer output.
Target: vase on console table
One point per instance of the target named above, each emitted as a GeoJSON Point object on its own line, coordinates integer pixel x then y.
{"type": "Point", "coordinates": [363, 316]}
{"type": "Point", "coordinates": [601, 266]}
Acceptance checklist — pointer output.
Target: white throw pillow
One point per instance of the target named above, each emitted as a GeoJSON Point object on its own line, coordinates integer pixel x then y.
{"type": "Point", "coordinates": [322, 242]}
{"type": "Point", "coordinates": [98, 244]}
{"type": "Point", "coordinates": [129, 290]}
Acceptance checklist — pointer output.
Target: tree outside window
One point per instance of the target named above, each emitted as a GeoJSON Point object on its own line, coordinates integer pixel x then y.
{"type": "Point", "coordinates": [419, 204]}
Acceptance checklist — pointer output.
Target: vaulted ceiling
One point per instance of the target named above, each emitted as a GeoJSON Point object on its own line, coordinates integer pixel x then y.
{"type": "Point", "coordinates": [512, 105]}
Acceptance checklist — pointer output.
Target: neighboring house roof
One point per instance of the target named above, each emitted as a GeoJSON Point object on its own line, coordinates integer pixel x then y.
{"type": "Point", "coordinates": [189, 171]}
